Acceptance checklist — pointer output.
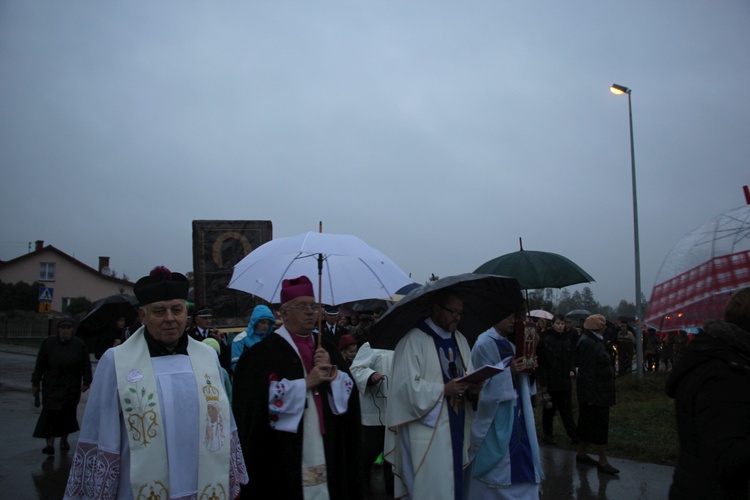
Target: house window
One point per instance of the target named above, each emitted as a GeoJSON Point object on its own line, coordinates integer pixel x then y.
{"type": "Point", "coordinates": [46, 271]}
{"type": "Point", "coordinates": [66, 303]}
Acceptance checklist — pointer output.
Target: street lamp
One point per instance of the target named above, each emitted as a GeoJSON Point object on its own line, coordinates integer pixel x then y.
{"type": "Point", "coordinates": [619, 89]}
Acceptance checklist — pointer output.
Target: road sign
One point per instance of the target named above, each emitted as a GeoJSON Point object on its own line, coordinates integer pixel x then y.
{"type": "Point", "coordinates": [45, 294]}
{"type": "Point", "coordinates": [45, 307]}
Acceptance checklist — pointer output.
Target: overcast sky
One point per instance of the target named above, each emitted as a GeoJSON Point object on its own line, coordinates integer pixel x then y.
{"type": "Point", "coordinates": [438, 132]}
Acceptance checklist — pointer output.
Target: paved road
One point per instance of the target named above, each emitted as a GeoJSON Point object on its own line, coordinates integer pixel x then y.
{"type": "Point", "coordinates": [26, 473]}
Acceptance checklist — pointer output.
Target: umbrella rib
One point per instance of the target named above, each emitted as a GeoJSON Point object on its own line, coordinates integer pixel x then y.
{"type": "Point", "coordinates": [276, 289]}
{"type": "Point", "coordinates": [372, 271]}
{"type": "Point", "coordinates": [327, 270]}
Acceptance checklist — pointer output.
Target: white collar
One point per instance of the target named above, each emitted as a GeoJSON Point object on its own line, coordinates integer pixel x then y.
{"type": "Point", "coordinates": [441, 333]}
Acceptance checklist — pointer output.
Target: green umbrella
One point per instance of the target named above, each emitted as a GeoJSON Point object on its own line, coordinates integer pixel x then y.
{"type": "Point", "coordinates": [535, 270]}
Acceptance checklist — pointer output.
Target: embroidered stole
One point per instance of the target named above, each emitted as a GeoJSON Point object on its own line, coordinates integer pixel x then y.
{"type": "Point", "coordinates": [507, 433]}
{"type": "Point", "coordinates": [314, 471]}
{"type": "Point", "coordinates": [142, 413]}
{"type": "Point", "coordinates": [449, 355]}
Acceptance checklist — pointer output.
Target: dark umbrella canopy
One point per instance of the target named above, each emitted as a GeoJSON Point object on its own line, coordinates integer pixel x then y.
{"type": "Point", "coordinates": [487, 300]}
{"type": "Point", "coordinates": [578, 314]}
{"type": "Point", "coordinates": [407, 288]}
{"type": "Point", "coordinates": [384, 304]}
{"type": "Point", "coordinates": [535, 270]}
{"type": "Point", "coordinates": [104, 313]}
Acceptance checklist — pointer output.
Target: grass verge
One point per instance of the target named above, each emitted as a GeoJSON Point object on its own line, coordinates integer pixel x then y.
{"type": "Point", "coordinates": [641, 424]}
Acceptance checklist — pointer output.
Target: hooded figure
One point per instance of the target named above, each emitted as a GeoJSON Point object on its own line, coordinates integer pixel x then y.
{"type": "Point", "coordinates": [711, 387]}
{"type": "Point", "coordinates": [254, 333]}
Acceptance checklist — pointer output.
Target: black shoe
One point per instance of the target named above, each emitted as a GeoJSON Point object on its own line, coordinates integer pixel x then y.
{"type": "Point", "coordinates": [586, 460]}
{"type": "Point", "coordinates": [549, 439]}
{"type": "Point", "coordinates": [607, 469]}
{"type": "Point", "coordinates": [65, 446]}
{"type": "Point", "coordinates": [48, 450]}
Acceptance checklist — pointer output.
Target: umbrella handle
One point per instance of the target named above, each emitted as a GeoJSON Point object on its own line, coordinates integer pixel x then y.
{"type": "Point", "coordinates": [320, 291]}
{"type": "Point", "coordinates": [320, 302]}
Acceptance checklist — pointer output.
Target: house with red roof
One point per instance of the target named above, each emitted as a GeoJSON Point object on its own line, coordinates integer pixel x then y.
{"type": "Point", "coordinates": [63, 277]}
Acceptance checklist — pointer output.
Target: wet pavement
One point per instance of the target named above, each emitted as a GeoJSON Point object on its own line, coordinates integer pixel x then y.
{"type": "Point", "coordinates": [28, 474]}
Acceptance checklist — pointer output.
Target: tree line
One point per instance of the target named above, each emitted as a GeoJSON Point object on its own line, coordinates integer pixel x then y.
{"type": "Point", "coordinates": [25, 297]}
{"type": "Point", "coordinates": [584, 299]}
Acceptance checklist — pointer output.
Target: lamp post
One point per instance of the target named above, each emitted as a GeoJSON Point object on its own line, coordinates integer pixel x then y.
{"type": "Point", "coordinates": [619, 89]}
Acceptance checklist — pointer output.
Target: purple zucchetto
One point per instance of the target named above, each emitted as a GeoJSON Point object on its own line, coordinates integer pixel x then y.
{"type": "Point", "coordinates": [296, 287]}
{"type": "Point", "coordinates": [161, 284]}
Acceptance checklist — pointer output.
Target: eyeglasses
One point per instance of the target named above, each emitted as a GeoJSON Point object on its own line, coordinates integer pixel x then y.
{"type": "Point", "coordinates": [453, 312]}
{"type": "Point", "coordinates": [303, 307]}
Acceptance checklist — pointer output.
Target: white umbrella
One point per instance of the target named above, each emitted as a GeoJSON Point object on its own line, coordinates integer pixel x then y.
{"type": "Point", "coordinates": [541, 313]}
{"type": "Point", "coordinates": [351, 269]}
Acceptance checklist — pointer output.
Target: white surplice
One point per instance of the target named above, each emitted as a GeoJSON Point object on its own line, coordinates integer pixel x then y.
{"type": "Point", "coordinates": [418, 436]}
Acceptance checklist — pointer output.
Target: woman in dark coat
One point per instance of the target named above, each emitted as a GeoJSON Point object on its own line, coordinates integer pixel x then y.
{"type": "Point", "coordinates": [595, 383]}
{"type": "Point", "coordinates": [711, 387]}
{"type": "Point", "coordinates": [63, 372]}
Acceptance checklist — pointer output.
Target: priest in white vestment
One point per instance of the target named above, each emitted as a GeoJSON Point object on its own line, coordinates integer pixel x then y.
{"type": "Point", "coordinates": [428, 418]}
{"type": "Point", "coordinates": [158, 421]}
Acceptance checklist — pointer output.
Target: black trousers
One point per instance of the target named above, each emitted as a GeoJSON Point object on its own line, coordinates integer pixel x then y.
{"type": "Point", "coordinates": [562, 402]}
{"type": "Point", "coordinates": [373, 441]}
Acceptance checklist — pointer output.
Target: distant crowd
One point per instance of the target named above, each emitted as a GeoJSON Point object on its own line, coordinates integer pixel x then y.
{"type": "Point", "coordinates": [301, 404]}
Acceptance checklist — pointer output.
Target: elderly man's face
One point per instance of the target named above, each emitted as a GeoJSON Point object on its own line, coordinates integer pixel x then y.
{"type": "Point", "coordinates": [446, 315]}
{"type": "Point", "coordinates": [299, 315]}
{"type": "Point", "coordinates": [165, 320]}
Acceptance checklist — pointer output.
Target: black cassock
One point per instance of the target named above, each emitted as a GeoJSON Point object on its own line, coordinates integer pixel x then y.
{"type": "Point", "coordinates": [274, 458]}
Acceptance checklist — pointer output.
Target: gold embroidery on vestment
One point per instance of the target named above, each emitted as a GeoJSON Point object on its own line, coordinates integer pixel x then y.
{"type": "Point", "coordinates": [314, 475]}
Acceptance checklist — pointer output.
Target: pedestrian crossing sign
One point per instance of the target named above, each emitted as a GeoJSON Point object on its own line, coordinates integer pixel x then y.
{"type": "Point", "coordinates": [45, 294]}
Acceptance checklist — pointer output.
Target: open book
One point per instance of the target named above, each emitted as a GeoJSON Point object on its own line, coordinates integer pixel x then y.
{"type": "Point", "coordinates": [486, 372]}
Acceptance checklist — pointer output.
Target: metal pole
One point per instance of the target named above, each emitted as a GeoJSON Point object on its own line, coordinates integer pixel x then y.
{"type": "Point", "coordinates": [636, 241]}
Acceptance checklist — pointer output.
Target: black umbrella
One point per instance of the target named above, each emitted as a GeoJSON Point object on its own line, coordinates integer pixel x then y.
{"type": "Point", "coordinates": [578, 314]}
{"type": "Point", "coordinates": [103, 314]}
{"type": "Point", "coordinates": [536, 270]}
{"type": "Point", "coordinates": [487, 300]}
{"type": "Point", "coordinates": [384, 304]}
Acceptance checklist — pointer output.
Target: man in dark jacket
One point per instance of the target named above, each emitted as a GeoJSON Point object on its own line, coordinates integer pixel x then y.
{"type": "Point", "coordinates": [596, 392]}
{"type": "Point", "coordinates": [202, 329]}
{"type": "Point", "coordinates": [711, 387]}
{"type": "Point", "coordinates": [555, 373]}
